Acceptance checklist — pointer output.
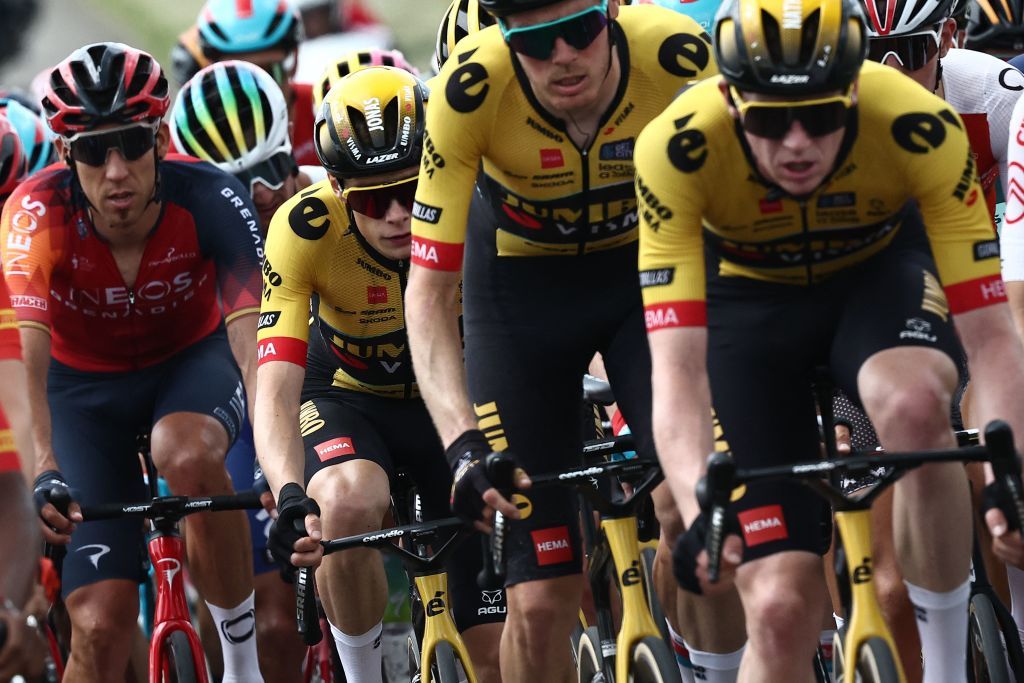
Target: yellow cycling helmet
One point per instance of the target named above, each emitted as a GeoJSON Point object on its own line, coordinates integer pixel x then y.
{"type": "Point", "coordinates": [371, 122]}
{"type": "Point", "coordinates": [462, 18]}
{"type": "Point", "coordinates": [790, 47]}
{"type": "Point", "coordinates": [354, 61]}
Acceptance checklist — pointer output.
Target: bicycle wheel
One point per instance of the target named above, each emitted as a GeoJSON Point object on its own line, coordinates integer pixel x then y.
{"type": "Point", "coordinates": [653, 662]}
{"type": "Point", "coordinates": [589, 660]}
{"type": "Point", "coordinates": [180, 664]}
{"type": "Point", "coordinates": [986, 658]}
{"type": "Point", "coordinates": [876, 663]}
{"type": "Point", "coordinates": [445, 669]}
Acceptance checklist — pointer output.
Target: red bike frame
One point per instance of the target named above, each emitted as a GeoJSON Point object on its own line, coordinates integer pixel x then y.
{"type": "Point", "coordinates": [167, 553]}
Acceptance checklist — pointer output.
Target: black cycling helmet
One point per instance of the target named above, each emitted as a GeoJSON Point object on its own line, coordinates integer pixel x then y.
{"type": "Point", "coordinates": [503, 8]}
{"type": "Point", "coordinates": [762, 46]}
{"type": "Point", "coordinates": [995, 25]}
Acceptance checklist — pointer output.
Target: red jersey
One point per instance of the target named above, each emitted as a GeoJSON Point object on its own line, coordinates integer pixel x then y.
{"type": "Point", "coordinates": [200, 267]}
{"type": "Point", "coordinates": [10, 348]}
{"type": "Point", "coordinates": [302, 125]}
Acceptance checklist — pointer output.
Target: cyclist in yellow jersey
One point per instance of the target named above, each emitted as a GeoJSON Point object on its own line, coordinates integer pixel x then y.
{"type": "Point", "coordinates": [338, 410]}
{"type": "Point", "coordinates": [528, 168]}
{"type": "Point", "coordinates": [818, 256]}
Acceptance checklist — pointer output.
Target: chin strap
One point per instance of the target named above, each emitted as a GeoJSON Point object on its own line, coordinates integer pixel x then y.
{"type": "Point", "coordinates": [938, 76]}
{"type": "Point", "coordinates": [155, 198]}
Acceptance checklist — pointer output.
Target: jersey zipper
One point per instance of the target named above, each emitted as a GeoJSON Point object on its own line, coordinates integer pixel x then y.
{"type": "Point", "coordinates": [403, 277]}
{"type": "Point", "coordinates": [585, 194]}
{"type": "Point", "coordinates": [807, 241]}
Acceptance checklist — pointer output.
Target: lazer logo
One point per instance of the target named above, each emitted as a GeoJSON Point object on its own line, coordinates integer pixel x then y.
{"type": "Point", "coordinates": [790, 79]}
{"type": "Point", "coordinates": [381, 158]}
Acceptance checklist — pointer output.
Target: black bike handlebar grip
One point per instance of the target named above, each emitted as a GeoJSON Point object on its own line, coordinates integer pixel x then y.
{"type": "Point", "coordinates": [306, 615]}
{"type": "Point", "coordinates": [714, 491]}
{"type": "Point", "coordinates": [487, 578]}
{"type": "Point", "coordinates": [60, 498]}
{"type": "Point", "coordinates": [500, 470]}
{"type": "Point", "coordinates": [3, 634]}
{"type": "Point", "coordinates": [1006, 466]}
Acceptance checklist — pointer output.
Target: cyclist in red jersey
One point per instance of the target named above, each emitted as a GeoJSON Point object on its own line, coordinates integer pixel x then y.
{"type": "Point", "coordinates": [124, 267]}
{"type": "Point", "coordinates": [22, 650]}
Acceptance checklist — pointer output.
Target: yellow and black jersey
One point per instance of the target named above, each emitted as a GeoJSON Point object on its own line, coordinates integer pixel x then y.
{"type": "Point", "coordinates": [545, 195]}
{"type": "Point", "coordinates": [696, 183]}
{"type": "Point", "coordinates": [313, 247]}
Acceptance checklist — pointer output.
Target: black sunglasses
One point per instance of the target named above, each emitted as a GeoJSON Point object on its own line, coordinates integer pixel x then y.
{"type": "Point", "coordinates": [772, 120]}
{"type": "Point", "coordinates": [375, 201]}
{"type": "Point", "coordinates": [271, 172]}
{"type": "Point", "coordinates": [579, 30]}
{"type": "Point", "coordinates": [913, 51]}
{"type": "Point", "coordinates": [131, 141]}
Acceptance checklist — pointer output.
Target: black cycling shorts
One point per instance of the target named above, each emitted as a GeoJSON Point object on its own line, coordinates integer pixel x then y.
{"type": "Point", "coordinates": [339, 426]}
{"type": "Point", "coordinates": [532, 326]}
{"type": "Point", "coordinates": [96, 419]}
{"type": "Point", "coordinates": [765, 341]}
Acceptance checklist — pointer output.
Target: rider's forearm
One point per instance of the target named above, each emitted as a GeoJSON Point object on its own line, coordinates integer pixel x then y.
{"type": "Point", "coordinates": [35, 351]}
{"type": "Point", "coordinates": [681, 417]}
{"type": "Point", "coordinates": [431, 316]}
{"type": "Point", "coordinates": [242, 338]}
{"type": "Point", "coordinates": [1015, 294]}
{"type": "Point", "coordinates": [276, 425]}
{"type": "Point", "coordinates": [14, 401]}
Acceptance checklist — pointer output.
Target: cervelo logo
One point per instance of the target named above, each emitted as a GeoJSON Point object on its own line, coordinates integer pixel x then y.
{"type": "Point", "coordinates": [763, 524]}
{"type": "Point", "coordinates": [171, 571]}
{"type": "Point", "coordinates": [335, 448]}
{"type": "Point", "coordinates": [551, 546]}
{"type": "Point", "coordinates": [393, 533]}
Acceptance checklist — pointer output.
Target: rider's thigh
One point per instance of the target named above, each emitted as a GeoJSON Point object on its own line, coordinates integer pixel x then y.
{"type": "Point", "coordinates": [188, 450]}
{"type": "Point", "coordinates": [353, 496]}
{"type": "Point", "coordinates": [783, 598]}
{"type": "Point", "coordinates": [667, 512]}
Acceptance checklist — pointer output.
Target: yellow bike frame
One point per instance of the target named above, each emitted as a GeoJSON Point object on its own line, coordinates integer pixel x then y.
{"type": "Point", "coordinates": [433, 590]}
{"type": "Point", "coordinates": [865, 620]}
{"type": "Point", "coordinates": [637, 622]}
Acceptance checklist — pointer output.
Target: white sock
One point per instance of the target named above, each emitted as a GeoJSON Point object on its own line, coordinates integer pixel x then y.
{"type": "Point", "coordinates": [715, 668]}
{"type": "Point", "coordinates": [942, 625]}
{"type": "Point", "coordinates": [1015, 577]}
{"type": "Point", "coordinates": [360, 655]}
{"type": "Point", "coordinates": [236, 627]}
{"type": "Point", "coordinates": [682, 655]}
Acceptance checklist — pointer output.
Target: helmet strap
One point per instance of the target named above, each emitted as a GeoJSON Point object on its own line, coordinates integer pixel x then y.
{"type": "Point", "coordinates": [155, 198]}
{"type": "Point", "coordinates": [938, 76]}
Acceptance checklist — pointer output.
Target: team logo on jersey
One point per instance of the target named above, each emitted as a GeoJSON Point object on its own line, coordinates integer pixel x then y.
{"type": "Point", "coordinates": [335, 448]}
{"type": "Point", "coordinates": [618, 150]}
{"type": "Point", "coordinates": [308, 218]}
{"type": "Point", "coordinates": [376, 294]}
{"type": "Point", "coordinates": [837, 200]}
{"type": "Point", "coordinates": [921, 132]}
{"type": "Point", "coordinates": [770, 205]}
{"type": "Point", "coordinates": [763, 524]}
{"type": "Point", "coordinates": [683, 54]}
{"type": "Point", "coordinates": [426, 213]}
{"type": "Point", "coordinates": [551, 158]}
{"type": "Point", "coordinates": [467, 89]}
{"type": "Point", "coordinates": [268, 319]}
{"type": "Point", "coordinates": [986, 250]}
{"type": "Point", "coordinates": [551, 546]}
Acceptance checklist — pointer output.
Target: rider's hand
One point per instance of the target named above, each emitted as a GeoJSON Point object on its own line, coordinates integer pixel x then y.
{"type": "Point", "coordinates": [56, 527]}
{"type": "Point", "coordinates": [474, 496]}
{"type": "Point", "coordinates": [295, 535]}
{"type": "Point", "coordinates": [1006, 540]}
{"type": "Point", "coordinates": [843, 442]}
{"type": "Point", "coordinates": [690, 560]}
{"type": "Point", "coordinates": [24, 651]}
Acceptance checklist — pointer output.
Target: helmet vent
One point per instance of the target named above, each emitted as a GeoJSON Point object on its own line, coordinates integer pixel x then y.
{"type": "Point", "coordinates": [809, 39]}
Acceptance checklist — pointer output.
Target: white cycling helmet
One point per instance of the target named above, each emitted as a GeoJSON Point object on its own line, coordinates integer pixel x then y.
{"type": "Point", "coordinates": [899, 17]}
{"type": "Point", "coordinates": [233, 115]}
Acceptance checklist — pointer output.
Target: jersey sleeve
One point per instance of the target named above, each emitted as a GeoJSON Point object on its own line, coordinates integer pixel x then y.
{"type": "Point", "coordinates": [231, 237]}
{"type": "Point", "coordinates": [670, 206]}
{"type": "Point", "coordinates": [944, 180]}
{"type": "Point", "coordinates": [452, 149]}
{"type": "Point", "coordinates": [288, 281]}
{"type": "Point", "coordinates": [1011, 235]}
{"type": "Point", "coordinates": [29, 252]}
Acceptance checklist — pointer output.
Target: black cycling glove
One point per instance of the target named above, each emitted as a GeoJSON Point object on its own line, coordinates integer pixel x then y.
{"type": "Point", "coordinates": [46, 485]}
{"type": "Point", "coordinates": [292, 507]}
{"type": "Point", "coordinates": [995, 495]}
{"type": "Point", "coordinates": [466, 456]}
{"type": "Point", "coordinates": [689, 546]}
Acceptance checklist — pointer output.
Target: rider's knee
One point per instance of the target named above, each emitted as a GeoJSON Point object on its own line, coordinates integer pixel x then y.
{"type": "Point", "coordinates": [542, 609]}
{"type": "Point", "coordinates": [357, 500]}
{"type": "Point", "coordinates": [103, 618]}
{"type": "Point", "coordinates": [667, 512]}
{"type": "Point", "coordinates": [780, 610]}
{"type": "Point", "coordinates": [189, 452]}
{"type": "Point", "coordinates": [918, 405]}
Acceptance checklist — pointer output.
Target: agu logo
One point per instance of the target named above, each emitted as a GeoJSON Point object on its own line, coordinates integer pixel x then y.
{"type": "Point", "coordinates": [551, 545]}
{"type": "Point", "coordinates": [335, 448]}
{"type": "Point", "coordinates": [763, 524]}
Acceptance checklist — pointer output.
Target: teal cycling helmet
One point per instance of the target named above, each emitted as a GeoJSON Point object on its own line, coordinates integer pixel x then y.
{"type": "Point", "coordinates": [701, 11]}
{"type": "Point", "coordinates": [36, 138]}
{"type": "Point", "coordinates": [230, 27]}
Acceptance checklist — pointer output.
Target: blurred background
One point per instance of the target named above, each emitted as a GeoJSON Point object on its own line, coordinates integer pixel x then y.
{"type": "Point", "coordinates": [60, 26]}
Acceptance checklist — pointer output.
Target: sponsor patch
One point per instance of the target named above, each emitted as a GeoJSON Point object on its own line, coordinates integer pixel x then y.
{"type": "Point", "coordinates": [618, 150]}
{"type": "Point", "coordinates": [268, 319]}
{"type": "Point", "coordinates": [25, 301]}
{"type": "Point", "coordinates": [551, 158]}
{"type": "Point", "coordinates": [335, 448]}
{"type": "Point", "coordinates": [986, 250]}
{"type": "Point", "coordinates": [770, 205]}
{"type": "Point", "coordinates": [656, 278]}
{"type": "Point", "coordinates": [376, 294]}
{"type": "Point", "coordinates": [426, 213]}
{"type": "Point", "coordinates": [552, 545]}
{"type": "Point", "coordinates": [837, 200]}
{"type": "Point", "coordinates": [763, 524]}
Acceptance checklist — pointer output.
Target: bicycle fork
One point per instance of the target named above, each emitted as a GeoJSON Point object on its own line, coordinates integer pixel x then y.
{"type": "Point", "coordinates": [865, 618]}
{"type": "Point", "coordinates": [439, 625]}
{"type": "Point", "coordinates": [637, 622]}
{"type": "Point", "coordinates": [166, 551]}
